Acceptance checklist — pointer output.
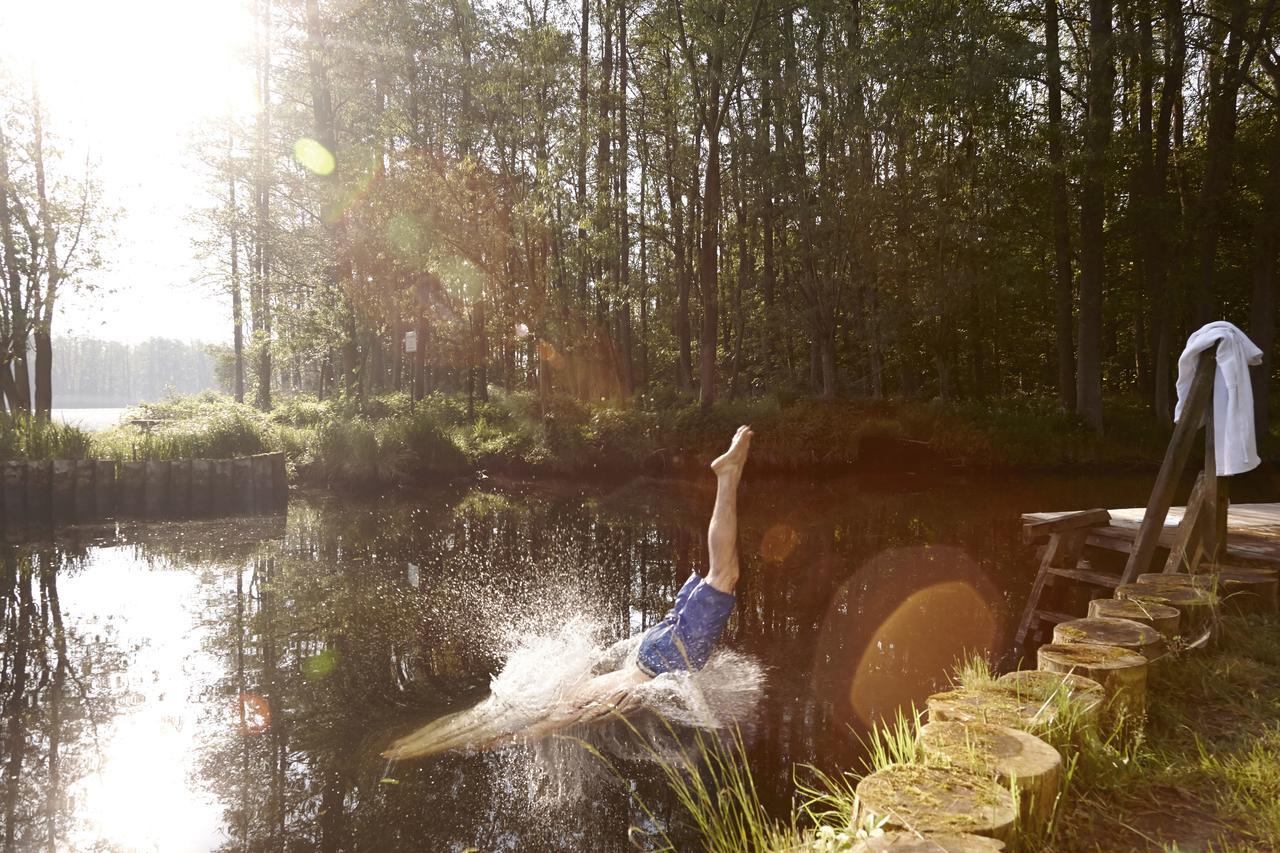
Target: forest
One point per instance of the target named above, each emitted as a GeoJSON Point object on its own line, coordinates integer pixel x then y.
{"type": "Point", "coordinates": [969, 199]}
{"type": "Point", "coordinates": [91, 372]}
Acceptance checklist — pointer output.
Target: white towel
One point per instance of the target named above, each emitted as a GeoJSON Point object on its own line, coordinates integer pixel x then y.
{"type": "Point", "coordinates": [1234, 443]}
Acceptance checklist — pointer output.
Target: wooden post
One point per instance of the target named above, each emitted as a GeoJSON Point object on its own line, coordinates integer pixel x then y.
{"type": "Point", "coordinates": [201, 487]}
{"type": "Point", "coordinates": [15, 494]}
{"type": "Point", "coordinates": [1175, 461]}
{"type": "Point", "coordinates": [263, 499]}
{"type": "Point", "coordinates": [180, 488]}
{"type": "Point", "coordinates": [933, 800]}
{"type": "Point", "coordinates": [279, 483]}
{"type": "Point", "coordinates": [1187, 548]}
{"type": "Point", "coordinates": [155, 494]}
{"type": "Point", "coordinates": [104, 489]}
{"type": "Point", "coordinates": [1121, 672]}
{"type": "Point", "coordinates": [242, 485]}
{"type": "Point", "coordinates": [1216, 498]}
{"type": "Point", "coordinates": [129, 487]}
{"type": "Point", "coordinates": [39, 491]}
{"type": "Point", "coordinates": [62, 489]}
{"type": "Point", "coordinates": [223, 490]}
{"type": "Point", "coordinates": [84, 490]}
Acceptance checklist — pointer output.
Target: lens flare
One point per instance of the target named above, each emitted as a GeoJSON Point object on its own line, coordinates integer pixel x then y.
{"type": "Point", "coordinates": [255, 714]}
{"type": "Point", "coordinates": [778, 542]}
{"type": "Point", "coordinates": [314, 156]}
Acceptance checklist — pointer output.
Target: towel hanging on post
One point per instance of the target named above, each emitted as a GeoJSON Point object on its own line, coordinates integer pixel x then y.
{"type": "Point", "coordinates": [1235, 443]}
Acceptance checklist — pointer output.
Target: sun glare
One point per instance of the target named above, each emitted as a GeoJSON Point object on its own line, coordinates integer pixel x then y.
{"type": "Point", "coordinates": [147, 62]}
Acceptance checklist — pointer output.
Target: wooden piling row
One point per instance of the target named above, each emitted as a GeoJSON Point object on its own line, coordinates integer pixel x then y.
{"type": "Point", "coordinates": [87, 490]}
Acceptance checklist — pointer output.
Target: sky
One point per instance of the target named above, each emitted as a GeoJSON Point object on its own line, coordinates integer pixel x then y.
{"type": "Point", "coordinates": [133, 85]}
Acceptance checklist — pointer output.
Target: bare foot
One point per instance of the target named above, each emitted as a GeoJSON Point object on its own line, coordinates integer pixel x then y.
{"type": "Point", "coordinates": [731, 462]}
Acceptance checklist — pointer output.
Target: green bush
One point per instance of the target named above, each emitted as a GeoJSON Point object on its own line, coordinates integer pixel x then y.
{"type": "Point", "coordinates": [23, 437]}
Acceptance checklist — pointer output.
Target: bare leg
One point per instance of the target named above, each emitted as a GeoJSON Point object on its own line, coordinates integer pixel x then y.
{"type": "Point", "coordinates": [722, 533]}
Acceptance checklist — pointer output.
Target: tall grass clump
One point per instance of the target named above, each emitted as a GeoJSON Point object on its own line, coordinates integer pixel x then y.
{"type": "Point", "coordinates": [23, 437]}
{"type": "Point", "coordinates": [202, 426]}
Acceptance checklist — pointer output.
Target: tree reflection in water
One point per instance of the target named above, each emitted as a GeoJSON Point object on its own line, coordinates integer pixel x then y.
{"type": "Point", "coordinates": [297, 652]}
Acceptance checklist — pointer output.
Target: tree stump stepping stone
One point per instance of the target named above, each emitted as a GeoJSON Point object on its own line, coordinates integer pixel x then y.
{"type": "Point", "coordinates": [1017, 759]}
{"type": "Point", "coordinates": [1195, 605]}
{"type": "Point", "coordinates": [930, 800]}
{"type": "Point", "coordinates": [1105, 631]}
{"type": "Point", "coordinates": [909, 842]}
{"type": "Point", "coordinates": [1084, 695]}
{"type": "Point", "coordinates": [995, 703]}
{"type": "Point", "coordinates": [1242, 589]}
{"type": "Point", "coordinates": [1162, 617]}
{"type": "Point", "coordinates": [1121, 672]}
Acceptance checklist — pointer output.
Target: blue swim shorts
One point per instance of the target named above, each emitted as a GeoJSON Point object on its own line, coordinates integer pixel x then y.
{"type": "Point", "coordinates": [687, 636]}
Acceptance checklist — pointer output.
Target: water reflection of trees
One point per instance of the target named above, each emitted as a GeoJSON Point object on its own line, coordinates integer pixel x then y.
{"type": "Point", "coordinates": [55, 689]}
{"type": "Point", "coordinates": [330, 631]}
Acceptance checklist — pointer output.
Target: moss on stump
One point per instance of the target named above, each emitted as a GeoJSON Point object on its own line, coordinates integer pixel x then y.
{"type": "Point", "coordinates": [1105, 631]}
{"type": "Point", "coordinates": [935, 800]}
{"type": "Point", "coordinates": [1195, 605]}
{"type": "Point", "coordinates": [1162, 617]}
{"type": "Point", "coordinates": [1017, 759]}
{"type": "Point", "coordinates": [909, 842]}
{"type": "Point", "coordinates": [1077, 700]}
{"type": "Point", "coordinates": [1121, 672]}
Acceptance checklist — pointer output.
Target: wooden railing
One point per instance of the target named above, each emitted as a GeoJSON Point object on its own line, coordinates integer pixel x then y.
{"type": "Point", "coordinates": [63, 491]}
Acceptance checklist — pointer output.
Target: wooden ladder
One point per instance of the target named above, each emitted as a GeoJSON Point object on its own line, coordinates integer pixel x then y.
{"type": "Point", "coordinates": [1201, 534]}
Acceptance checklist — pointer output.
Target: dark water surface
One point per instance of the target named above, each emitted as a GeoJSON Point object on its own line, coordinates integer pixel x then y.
{"type": "Point", "coordinates": [229, 685]}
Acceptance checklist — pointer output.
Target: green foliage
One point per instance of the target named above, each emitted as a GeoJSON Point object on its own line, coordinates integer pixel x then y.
{"type": "Point", "coordinates": [202, 426]}
{"type": "Point", "coordinates": [23, 437]}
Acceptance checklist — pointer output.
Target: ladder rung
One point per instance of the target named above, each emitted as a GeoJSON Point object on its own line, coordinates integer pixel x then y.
{"type": "Point", "coordinates": [1087, 576]}
{"type": "Point", "coordinates": [1055, 618]}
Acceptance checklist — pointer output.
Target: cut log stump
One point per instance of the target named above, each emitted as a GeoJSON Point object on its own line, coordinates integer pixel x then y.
{"type": "Point", "coordinates": [932, 800]}
{"type": "Point", "coordinates": [910, 842]}
{"type": "Point", "coordinates": [1018, 760]}
{"type": "Point", "coordinates": [1105, 631]}
{"type": "Point", "coordinates": [1121, 672]}
{"type": "Point", "coordinates": [996, 704]}
{"type": "Point", "coordinates": [1194, 605]}
{"type": "Point", "coordinates": [1159, 616]}
{"type": "Point", "coordinates": [1077, 701]}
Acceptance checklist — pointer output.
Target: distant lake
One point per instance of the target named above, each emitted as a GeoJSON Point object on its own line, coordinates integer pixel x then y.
{"type": "Point", "coordinates": [91, 419]}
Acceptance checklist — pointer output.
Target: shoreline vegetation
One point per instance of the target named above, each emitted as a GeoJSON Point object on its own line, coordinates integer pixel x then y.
{"type": "Point", "coordinates": [1202, 774]}
{"type": "Point", "coordinates": [391, 440]}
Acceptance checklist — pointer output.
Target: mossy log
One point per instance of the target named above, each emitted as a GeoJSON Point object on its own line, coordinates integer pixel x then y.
{"type": "Point", "coordinates": [910, 842]}
{"type": "Point", "coordinates": [62, 480]}
{"type": "Point", "coordinates": [83, 500]}
{"type": "Point", "coordinates": [242, 485]}
{"type": "Point", "coordinates": [104, 489]}
{"type": "Point", "coordinates": [994, 703]}
{"type": "Point", "coordinates": [1106, 631]}
{"type": "Point", "coordinates": [156, 499]}
{"type": "Point", "coordinates": [15, 493]}
{"type": "Point", "coordinates": [129, 479]}
{"type": "Point", "coordinates": [201, 487]}
{"type": "Point", "coordinates": [1195, 605]}
{"type": "Point", "coordinates": [1241, 589]}
{"type": "Point", "coordinates": [180, 488]}
{"type": "Point", "coordinates": [1018, 760]}
{"type": "Point", "coordinates": [1121, 672]}
{"type": "Point", "coordinates": [932, 800]}
{"type": "Point", "coordinates": [1072, 695]}
{"type": "Point", "coordinates": [39, 490]}
{"type": "Point", "coordinates": [1162, 617]}
{"type": "Point", "coordinates": [223, 488]}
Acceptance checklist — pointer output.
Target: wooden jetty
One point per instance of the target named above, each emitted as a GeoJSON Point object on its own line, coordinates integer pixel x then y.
{"type": "Point", "coordinates": [1112, 549]}
{"type": "Point", "coordinates": [44, 493]}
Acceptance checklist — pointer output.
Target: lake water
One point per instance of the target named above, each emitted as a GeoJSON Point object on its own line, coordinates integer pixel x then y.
{"type": "Point", "coordinates": [90, 419]}
{"type": "Point", "coordinates": [230, 685]}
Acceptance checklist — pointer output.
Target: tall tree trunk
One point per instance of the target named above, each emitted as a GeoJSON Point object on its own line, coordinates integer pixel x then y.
{"type": "Point", "coordinates": [1064, 289]}
{"type": "Point", "coordinates": [17, 387]}
{"type": "Point", "coordinates": [1225, 77]}
{"type": "Point", "coordinates": [1100, 84]}
{"type": "Point", "coordinates": [262, 306]}
{"type": "Point", "coordinates": [237, 312]}
{"type": "Point", "coordinates": [41, 333]}
{"type": "Point", "coordinates": [1164, 212]}
{"type": "Point", "coordinates": [1262, 310]}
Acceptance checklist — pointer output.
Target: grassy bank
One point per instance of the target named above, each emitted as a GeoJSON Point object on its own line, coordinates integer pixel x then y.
{"type": "Point", "coordinates": [1203, 775]}
{"type": "Point", "coordinates": [391, 439]}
